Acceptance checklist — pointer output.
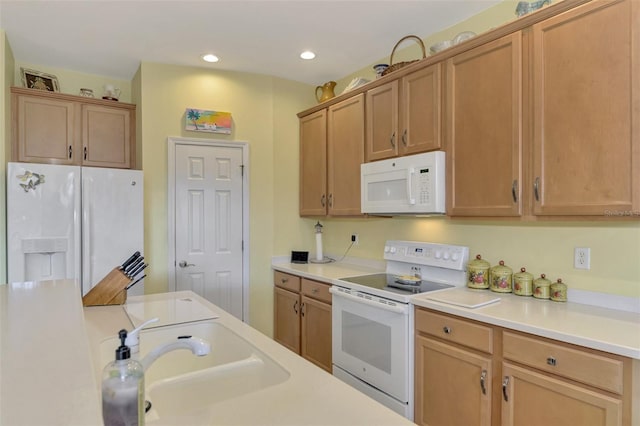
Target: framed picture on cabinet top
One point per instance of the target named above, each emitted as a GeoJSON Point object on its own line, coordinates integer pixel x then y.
{"type": "Point", "coordinates": [33, 79]}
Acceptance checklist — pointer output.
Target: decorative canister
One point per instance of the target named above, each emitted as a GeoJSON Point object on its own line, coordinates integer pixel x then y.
{"type": "Point", "coordinates": [523, 283]}
{"type": "Point", "coordinates": [541, 287]}
{"type": "Point", "coordinates": [478, 273]}
{"type": "Point", "coordinates": [558, 291]}
{"type": "Point", "coordinates": [500, 278]}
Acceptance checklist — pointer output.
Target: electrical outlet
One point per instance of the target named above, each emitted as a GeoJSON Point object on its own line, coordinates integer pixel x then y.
{"type": "Point", "coordinates": [354, 239]}
{"type": "Point", "coordinates": [582, 258]}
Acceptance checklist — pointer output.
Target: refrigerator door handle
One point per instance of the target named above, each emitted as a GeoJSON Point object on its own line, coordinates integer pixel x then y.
{"type": "Point", "coordinates": [86, 235]}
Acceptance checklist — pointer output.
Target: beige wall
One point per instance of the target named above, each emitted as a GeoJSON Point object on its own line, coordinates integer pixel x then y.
{"type": "Point", "coordinates": [409, 50]}
{"type": "Point", "coordinates": [7, 69]}
{"type": "Point", "coordinates": [71, 81]}
{"type": "Point", "coordinates": [263, 110]}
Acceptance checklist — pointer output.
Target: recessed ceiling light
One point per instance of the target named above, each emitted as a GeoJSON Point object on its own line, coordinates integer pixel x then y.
{"type": "Point", "coordinates": [210, 58]}
{"type": "Point", "coordinates": [307, 54]}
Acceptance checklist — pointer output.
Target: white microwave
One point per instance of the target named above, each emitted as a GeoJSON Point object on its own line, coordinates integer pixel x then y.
{"type": "Point", "coordinates": [414, 184]}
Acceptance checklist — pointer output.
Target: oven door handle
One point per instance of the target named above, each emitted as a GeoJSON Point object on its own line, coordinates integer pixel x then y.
{"type": "Point", "coordinates": [398, 309]}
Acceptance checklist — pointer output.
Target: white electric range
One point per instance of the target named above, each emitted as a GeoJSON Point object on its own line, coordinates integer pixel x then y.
{"type": "Point", "coordinates": [372, 320]}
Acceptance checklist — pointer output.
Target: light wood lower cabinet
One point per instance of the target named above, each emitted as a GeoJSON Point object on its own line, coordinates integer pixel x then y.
{"type": "Point", "coordinates": [532, 398]}
{"type": "Point", "coordinates": [470, 373]}
{"type": "Point", "coordinates": [302, 317]}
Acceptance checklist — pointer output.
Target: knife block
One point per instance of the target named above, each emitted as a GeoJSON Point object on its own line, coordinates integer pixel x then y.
{"type": "Point", "coordinates": [111, 290]}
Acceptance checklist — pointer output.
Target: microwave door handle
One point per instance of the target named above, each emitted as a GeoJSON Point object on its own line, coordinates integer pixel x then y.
{"type": "Point", "coordinates": [410, 173]}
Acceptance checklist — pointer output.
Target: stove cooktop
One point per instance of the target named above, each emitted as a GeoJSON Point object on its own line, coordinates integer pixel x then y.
{"type": "Point", "coordinates": [393, 284]}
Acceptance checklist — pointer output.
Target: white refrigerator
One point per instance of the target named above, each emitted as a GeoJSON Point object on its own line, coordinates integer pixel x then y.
{"type": "Point", "coordinates": [72, 222]}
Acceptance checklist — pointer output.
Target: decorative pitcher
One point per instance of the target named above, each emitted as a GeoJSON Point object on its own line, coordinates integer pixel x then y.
{"type": "Point", "coordinates": [327, 91]}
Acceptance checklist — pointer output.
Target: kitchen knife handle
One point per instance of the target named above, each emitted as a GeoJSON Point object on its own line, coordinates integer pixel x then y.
{"type": "Point", "coordinates": [133, 257]}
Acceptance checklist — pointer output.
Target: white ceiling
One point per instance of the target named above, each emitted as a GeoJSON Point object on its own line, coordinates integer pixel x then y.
{"type": "Point", "coordinates": [112, 37]}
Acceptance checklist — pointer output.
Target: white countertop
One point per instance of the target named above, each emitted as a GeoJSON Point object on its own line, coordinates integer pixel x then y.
{"type": "Point", "coordinates": [610, 330]}
{"type": "Point", "coordinates": [48, 376]}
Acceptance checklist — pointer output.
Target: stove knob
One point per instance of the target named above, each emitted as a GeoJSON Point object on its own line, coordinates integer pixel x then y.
{"type": "Point", "coordinates": [455, 256]}
{"type": "Point", "coordinates": [386, 249]}
{"type": "Point", "coordinates": [445, 256]}
{"type": "Point", "coordinates": [438, 254]}
{"type": "Point", "coordinates": [392, 250]}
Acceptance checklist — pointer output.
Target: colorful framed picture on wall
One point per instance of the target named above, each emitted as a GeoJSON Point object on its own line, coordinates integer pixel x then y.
{"type": "Point", "coordinates": [39, 80]}
{"type": "Point", "coordinates": [200, 120]}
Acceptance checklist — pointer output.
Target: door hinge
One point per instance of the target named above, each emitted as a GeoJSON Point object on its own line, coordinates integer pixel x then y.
{"type": "Point", "coordinates": [242, 170]}
{"type": "Point", "coordinates": [242, 245]}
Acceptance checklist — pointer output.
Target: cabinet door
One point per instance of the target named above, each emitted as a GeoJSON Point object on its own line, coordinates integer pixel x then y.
{"type": "Point", "coordinates": [453, 386]}
{"type": "Point", "coordinates": [531, 398]}
{"type": "Point", "coordinates": [106, 136]}
{"type": "Point", "coordinates": [585, 89]}
{"type": "Point", "coordinates": [286, 330]}
{"type": "Point", "coordinates": [316, 332]}
{"type": "Point", "coordinates": [420, 111]}
{"type": "Point", "coordinates": [382, 122]}
{"type": "Point", "coordinates": [484, 138]}
{"type": "Point", "coordinates": [345, 154]}
{"type": "Point", "coordinates": [44, 130]}
{"type": "Point", "coordinates": [313, 164]}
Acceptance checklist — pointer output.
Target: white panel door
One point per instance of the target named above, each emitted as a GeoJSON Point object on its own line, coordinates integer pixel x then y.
{"type": "Point", "coordinates": [208, 228]}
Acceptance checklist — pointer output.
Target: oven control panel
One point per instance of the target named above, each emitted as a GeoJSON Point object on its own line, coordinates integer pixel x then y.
{"type": "Point", "coordinates": [430, 254]}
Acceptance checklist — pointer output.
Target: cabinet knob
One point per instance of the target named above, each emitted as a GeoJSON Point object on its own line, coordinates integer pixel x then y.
{"type": "Point", "coordinates": [322, 200]}
{"type": "Point", "coordinates": [295, 307]}
{"type": "Point", "coordinates": [330, 200]}
{"type": "Point", "coordinates": [404, 137]}
{"type": "Point", "coordinates": [536, 188]}
{"type": "Point", "coordinates": [393, 139]}
{"type": "Point", "coordinates": [85, 152]}
{"type": "Point", "coordinates": [70, 152]}
{"type": "Point", "coordinates": [552, 361]}
{"type": "Point", "coordinates": [483, 377]}
{"type": "Point", "coordinates": [514, 188]}
{"type": "Point", "coordinates": [447, 330]}
{"type": "Point", "coordinates": [314, 291]}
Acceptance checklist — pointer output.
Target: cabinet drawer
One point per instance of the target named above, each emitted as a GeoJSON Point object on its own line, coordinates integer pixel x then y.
{"type": "Point", "coordinates": [588, 367]}
{"type": "Point", "coordinates": [288, 281]}
{"type": "Point", "coordinates": [316, 290]}
{"type": "Point", "coordinates": [455, 330]}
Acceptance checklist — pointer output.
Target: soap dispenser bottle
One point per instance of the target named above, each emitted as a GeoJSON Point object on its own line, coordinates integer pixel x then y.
{"type": "Point", "coordinates": [123, 388]}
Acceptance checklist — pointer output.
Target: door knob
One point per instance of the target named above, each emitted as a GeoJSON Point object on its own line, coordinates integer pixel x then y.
{"type": "Point", "coordinates": [184, 264]}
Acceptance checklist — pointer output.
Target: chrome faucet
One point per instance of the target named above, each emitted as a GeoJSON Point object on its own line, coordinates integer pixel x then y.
{"type": "Point", "coordinates": [197, 346]}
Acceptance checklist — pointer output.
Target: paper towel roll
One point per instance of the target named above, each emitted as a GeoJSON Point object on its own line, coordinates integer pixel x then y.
{"type": "Point", "coordinates": [319, 255]}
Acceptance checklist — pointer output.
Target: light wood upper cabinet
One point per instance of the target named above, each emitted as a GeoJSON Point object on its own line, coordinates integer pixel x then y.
{"type": "Point", "coordinates": [101, 127]}
{"type": "Point", "coordinates": [57, 128]}
{"type": "Point", "coordinates": [585, 105]}
{"type": "Point", "coordinates": [484, 129]}
{"type": "Point", "coordinates": [382, 122]}
{"type": "Point", "coordinates": [404, 116]}
{"type": "Point", "coordinates": [345, 154]}
{"type": "Point", "coordinates": [421, 111]}
{"type": "Point", "coordinates": [44, 130]}
{"type": "Point", "coordinates": [331, 151]}
{"type": "Point", "coordinates": [313, 164]}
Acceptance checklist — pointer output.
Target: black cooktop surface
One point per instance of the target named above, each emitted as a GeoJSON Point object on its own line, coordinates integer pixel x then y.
{"type": "Point", "coordinates": [395, 284]}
